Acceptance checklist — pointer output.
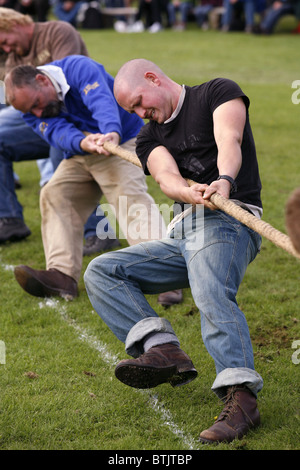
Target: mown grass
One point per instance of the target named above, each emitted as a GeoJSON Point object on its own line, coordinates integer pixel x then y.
{"type": "Point", "coordinates": [58, 389]}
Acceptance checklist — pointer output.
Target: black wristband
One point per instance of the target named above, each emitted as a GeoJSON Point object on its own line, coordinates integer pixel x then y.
{"type": "Point", "coordinates": [231, 181]}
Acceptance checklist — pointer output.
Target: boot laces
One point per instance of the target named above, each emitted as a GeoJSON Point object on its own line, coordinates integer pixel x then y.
{"type": "Point", "coordinates": [232, 405]}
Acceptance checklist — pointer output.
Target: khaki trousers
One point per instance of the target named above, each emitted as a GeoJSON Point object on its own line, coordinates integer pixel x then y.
{"type": "Point", "coordinates": [75, 190]}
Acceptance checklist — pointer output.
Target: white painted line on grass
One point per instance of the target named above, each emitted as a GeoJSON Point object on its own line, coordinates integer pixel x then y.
{"type": "Point", "coordinates": [112, 360]}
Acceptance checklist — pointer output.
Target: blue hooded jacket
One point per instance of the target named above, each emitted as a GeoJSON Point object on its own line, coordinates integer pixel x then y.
{"type": "Point", "coordinates": [90, 106]}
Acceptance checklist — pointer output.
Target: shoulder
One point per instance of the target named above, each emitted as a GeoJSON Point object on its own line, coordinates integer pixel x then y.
{"type": "Point", "coordinates": [54, 28]}
{"type": "Point", "coordinates": [214, 85]}
{"type": "Point", "coordinates": [72, 63]}
{"type": "Point", "coordinates": [220, 90]}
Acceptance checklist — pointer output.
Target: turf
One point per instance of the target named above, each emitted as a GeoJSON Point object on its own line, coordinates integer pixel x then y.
{"type": "Point", "coordinates": [58, 389]}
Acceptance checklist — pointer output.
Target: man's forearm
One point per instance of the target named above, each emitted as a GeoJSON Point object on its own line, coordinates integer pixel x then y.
{"type": "Point", "coordinates": [174, 186]}
{"type": "Point", "coordinates": [229, 159]}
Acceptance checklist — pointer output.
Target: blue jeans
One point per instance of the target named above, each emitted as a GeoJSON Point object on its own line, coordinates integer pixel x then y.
{"type": "Point", "coordinates": [18, 142]}
{"type": "Point", "coordinates": [183, 9]}
{"type": "Point", "coordinates": [201, 13]}
{"type": "Point", "coordinates": [209, 254]}
{"type": "Point", "coordinates": [272, 17]}
{"type": "Point", "coordinates": [249, 9]}
{"type": "Point", "coordinates": [68, 16]}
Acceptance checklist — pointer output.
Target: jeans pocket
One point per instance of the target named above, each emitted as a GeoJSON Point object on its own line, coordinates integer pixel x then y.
{"type": "Point", "coordinates": [254, 244]}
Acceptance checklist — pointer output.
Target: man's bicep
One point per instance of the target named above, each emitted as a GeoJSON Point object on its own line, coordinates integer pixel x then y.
{"type": "Point", "coordinates": [229, 117]}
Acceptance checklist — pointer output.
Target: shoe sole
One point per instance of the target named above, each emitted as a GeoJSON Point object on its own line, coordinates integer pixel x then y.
{"type": "Point", "coordinates": [36, 288]}
{"type": "Point", "coordinates": [14, 237]}
{"type": "Point", "coordinates": [93, 251]}
{"type": "Point", "coordinates": [149, 377]}
{"type": "Point", "coordinates": [238, 436]}
{"type": "Point", "coordinates": [169, 304]}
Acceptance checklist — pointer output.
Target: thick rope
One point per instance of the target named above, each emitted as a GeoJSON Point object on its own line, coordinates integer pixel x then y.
{"type": "Point", "coordinates": [263, 228]}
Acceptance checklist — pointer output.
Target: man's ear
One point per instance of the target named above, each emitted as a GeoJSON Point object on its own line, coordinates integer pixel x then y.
{"type": "Point", "coordinates": [152, 78]}
{"type": "Point", "coordinates": [41, 79]}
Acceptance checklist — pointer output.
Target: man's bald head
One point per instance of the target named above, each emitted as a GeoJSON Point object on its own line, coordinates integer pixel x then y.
{"type": "Point", "coordinates": [142, 87]}
{"type": "Point", "coordinates": [132, 73]}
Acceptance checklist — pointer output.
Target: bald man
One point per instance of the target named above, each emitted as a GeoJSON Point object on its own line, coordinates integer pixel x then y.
{"type": "Point", "coordinates": [201, 133]}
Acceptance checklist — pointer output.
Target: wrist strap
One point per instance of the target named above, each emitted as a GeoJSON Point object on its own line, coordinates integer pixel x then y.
{"type": "Point", "coordinates": [231, 181]}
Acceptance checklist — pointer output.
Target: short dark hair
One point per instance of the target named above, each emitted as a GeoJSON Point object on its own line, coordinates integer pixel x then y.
{"type": "Point", "coordinates": [23, 75]}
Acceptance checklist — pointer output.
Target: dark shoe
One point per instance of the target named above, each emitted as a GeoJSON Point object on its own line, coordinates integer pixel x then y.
{"type": "Point", "coordinates": [13, 229]}
{"type": "Point", "coordinates": [170, 298]}
{"type": "Point", "coordinates": [240, 414]}
{"type": "Point", "coordinates": [160, 364]}
{"type": "Point", "coordinates": [96, 245]}
{"type": "Point", "coordinates": [46, 283]}
{"type": "Point", "coordinates": [18, 184]}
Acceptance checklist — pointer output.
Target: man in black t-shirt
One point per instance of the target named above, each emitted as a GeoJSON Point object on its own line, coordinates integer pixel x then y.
{"type": "Point", "coordinates": [189, 138]}
{"type": "Point", "coordinates": [201, 133]}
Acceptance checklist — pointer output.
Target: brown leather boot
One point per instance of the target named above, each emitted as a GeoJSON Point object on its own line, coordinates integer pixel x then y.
{"type": "Point", "coordinates": [160, 364]}
{"type": "Point", "coordinates": [46, 283]}
{"type": "Point", "coordinates": [239, 415]}
{"type": "Point", "coordinates": [172, 297]}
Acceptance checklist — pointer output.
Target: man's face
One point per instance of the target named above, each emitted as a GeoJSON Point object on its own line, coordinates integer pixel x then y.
{"type": "Point", "coordinates": [15, 40]}
{"type": "Point", "coordinates": [40, 100]}
{"type": "Point", "coordinates": [147, 101]}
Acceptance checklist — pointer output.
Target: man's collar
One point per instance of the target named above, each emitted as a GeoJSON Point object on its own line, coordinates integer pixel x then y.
{"type": "Point", "coordinates": [178, 107]}
{"type": "Point", "coordinates": [58, 79]}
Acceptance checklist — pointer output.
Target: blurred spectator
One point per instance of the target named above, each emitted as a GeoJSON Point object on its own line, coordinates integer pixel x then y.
{"type": "Point", "coordinates": [37, 9]}
{"type": "Point", "coordinates": [67, 10]}
{"type": "Point", "coordinates": [235, 9]}
{"type": "Point", "coordinates": [203, 10]}
{"type": "Point", "coordinates": [149, 16]}
{"type": "Point", "coordinates": [277, 10]}
{"type": "Point", "coordinates": [89, 15]}
{"type": "Point", "coordinates": [178, 11]}
{"type": "Point", "coordinates": [85, 14]}
{"type": "Point", "coordinates": [8, 3]}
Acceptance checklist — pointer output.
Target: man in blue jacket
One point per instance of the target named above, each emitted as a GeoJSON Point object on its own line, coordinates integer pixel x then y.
{"type": "Point", "coordinates": [70, 103]}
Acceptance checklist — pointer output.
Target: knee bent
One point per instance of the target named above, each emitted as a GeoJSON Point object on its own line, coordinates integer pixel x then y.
{"type": "Point", "coordinates": [97, 268]}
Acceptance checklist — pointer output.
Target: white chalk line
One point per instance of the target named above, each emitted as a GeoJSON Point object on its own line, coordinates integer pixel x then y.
{"type": "Point", "coordinates": [112, 360]}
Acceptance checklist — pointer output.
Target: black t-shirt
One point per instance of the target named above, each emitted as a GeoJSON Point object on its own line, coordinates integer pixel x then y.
{"type": "Point", "coordinates": [190, 139]}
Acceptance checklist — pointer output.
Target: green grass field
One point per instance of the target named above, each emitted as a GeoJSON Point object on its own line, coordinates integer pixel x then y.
{"type": "Point", "coordinates": [57, 384]}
